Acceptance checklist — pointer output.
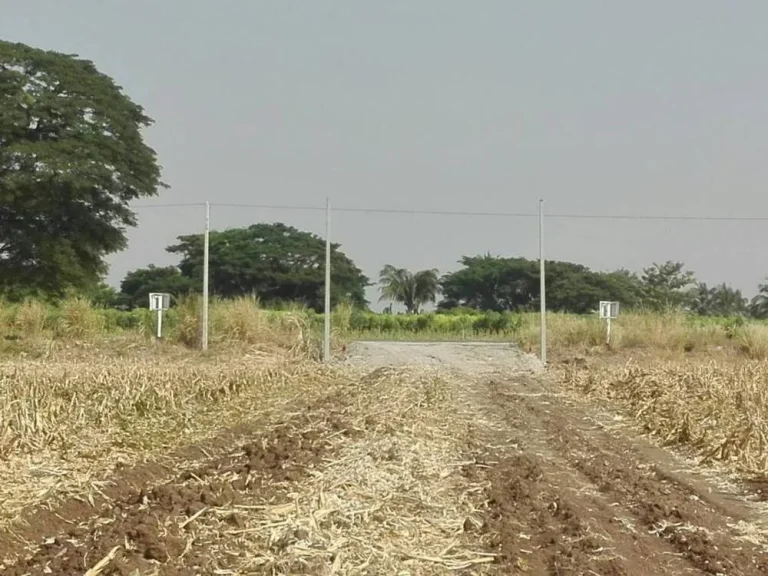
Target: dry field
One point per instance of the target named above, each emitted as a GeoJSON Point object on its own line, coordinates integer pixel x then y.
{"type": "Point", "coordinates": [403, 458]}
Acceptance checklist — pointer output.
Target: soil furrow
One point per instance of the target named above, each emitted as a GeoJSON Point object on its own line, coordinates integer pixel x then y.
{"type": "Point", "coordinates": [610, 488]}
{"type": "Point", "coordinates": [666, 509]}
{"type": "Point", "coordinates": [151, 529]}
{"type": "Point", "coordinates": [539, 525]}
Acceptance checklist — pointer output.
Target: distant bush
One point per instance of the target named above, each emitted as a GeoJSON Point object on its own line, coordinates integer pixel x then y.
{"type": "Point", "coordinates": [437, 323]}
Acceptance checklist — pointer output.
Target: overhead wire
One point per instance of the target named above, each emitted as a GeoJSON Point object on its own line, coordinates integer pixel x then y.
{"type": "Point", "coordinates": [428, 212]}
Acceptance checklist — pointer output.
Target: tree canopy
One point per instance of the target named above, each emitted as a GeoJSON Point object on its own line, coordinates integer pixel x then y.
{"type": "Point", "coordinates": [496, 283]}
{"type": "Point", "coordinates": [720, 300]}
{"type": "Point", "coordinates": [413, 290]}
{"type": "Point", "coordinates": [758, 306]}
{"type": "Point", "coordinates": [490, 283]}
{"type": "Point", "coordinates": [138, 284]}
{"type": "Point", "coordinates": [276, 262]}
{"type": "Point", "coordinates": [668, 285]}
{"type": "Point", "coordinates": [72, 157]}
{"type": "Point", "coordinates": [576, 288]}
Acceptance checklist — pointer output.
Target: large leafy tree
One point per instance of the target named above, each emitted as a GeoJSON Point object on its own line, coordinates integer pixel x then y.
{"type": "Point", "coordinates": [276, 262]}
{"type": "Point", "coordinates": [491, 283]}
{"type": "Point", "coordinates": [412, 290]}
{"type": "Point", "coordinates": [622, 286]}
{"type": "Point", "coordinates": [495, 283]}
{"type": "Point", "coordinates": [72, 158]}
{"type": "Point", "coordinates": [576, 288]}
{"type": "Point", "coordinates": [668, 286]}
{"type": "Point", "coordinates": [138, 284]}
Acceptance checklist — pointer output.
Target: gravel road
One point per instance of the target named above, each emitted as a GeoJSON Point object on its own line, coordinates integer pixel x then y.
{"type": "Point", "coordinates": [469, 357]}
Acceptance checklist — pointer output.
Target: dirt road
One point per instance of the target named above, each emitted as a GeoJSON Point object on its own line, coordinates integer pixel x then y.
{"type": "Point", "coordinates": [440, 459]}
{"type": "Point", "coordinates": [462, 357]}
{"type": "Point", "coordinates": [569, 492]}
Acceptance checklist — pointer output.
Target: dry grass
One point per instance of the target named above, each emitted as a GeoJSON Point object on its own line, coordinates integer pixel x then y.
{"type": "Point", "coordinates": [752, 340]}
{"type": "Point", "coordinates": [717, 409]}
{"type": "Point", "coordinates": [389, 501]}
{"type": "Point", "coordinates": [668, 332]}
{"type": "Point", "coordinates": [34, 330]}
{"type": "Point", "coordinates": [64, 423]}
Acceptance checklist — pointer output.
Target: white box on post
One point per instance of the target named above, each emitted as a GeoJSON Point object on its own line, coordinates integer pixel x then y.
{"type": "Point", "coordinates": [609, 310]}
{"type": "Point", "coordinates": [158, 302]}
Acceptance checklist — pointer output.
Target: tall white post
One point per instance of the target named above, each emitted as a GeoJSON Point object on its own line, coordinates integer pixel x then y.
{"type": "Point", "coordinates": [327, 325]}
{"type": "Point", "coordinates": [543, 290]}
{"type": "Point", "coordinates": [206, 238]}
{"type": "Point", "coordinates": [159, 323]}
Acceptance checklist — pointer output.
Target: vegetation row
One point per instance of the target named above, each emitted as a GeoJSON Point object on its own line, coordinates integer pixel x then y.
{"type": "Point", "coordinates": [243, 321]}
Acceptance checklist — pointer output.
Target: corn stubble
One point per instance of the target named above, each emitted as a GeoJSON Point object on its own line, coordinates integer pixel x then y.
{"type": "Point", "coordinates": [63, 423]}
{"type": "Point", "coordinates": [97, 396]}
{"type": "Point", "coordinates": [388, 495]}
{"type": "Point", "coordinates": [717, 409]}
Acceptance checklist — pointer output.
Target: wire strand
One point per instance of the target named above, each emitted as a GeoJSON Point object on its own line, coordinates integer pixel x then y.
{"type": "Point", "coordinates": [566, 216]}
{"type": "Point", "coordinates": [180, 205]}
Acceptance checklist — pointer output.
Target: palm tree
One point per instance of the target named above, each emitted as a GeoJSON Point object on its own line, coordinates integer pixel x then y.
{"type": "Point", "coordinates": [759, 304]}
{"type": "Point", "coordinates": [411, 290]}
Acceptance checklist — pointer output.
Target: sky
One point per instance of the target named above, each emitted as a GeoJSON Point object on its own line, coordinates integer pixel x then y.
{"type": "Point", "coordinates": [601, 108]}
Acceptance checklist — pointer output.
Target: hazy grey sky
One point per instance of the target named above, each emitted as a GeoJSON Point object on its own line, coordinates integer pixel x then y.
{"type": "Point", "coordinates": [600, 107]}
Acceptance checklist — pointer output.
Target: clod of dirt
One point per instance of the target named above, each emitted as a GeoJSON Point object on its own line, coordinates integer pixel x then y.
{"type": "Point", "coordinates": [235, 520]}
{"type": "Point", "coordinates": [301, 534]}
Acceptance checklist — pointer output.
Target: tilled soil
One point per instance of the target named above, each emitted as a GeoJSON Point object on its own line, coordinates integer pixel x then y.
{"type": "Point", "coordinates": [144, 527]}
{"type": "Point", "coordinates": [154, 522]}
{"type": "Point", "coordinates": [561, 491]}
{"type": "Point", "coordinates": [567, 496]}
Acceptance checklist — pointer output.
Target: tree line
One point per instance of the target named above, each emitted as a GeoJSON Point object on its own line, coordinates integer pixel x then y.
{"type": "Point", "coordinates": [73, 158]}
{"type": "Point", "coordinates": [491, 283]}
{"type": "Point", "coordinates": [281, 265]}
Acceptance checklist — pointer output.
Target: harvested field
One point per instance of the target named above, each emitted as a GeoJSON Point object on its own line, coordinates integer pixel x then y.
{"type": "Point", "coordinates": [406, 458]}
{"type": "Point", "coordinates": [717, 410]}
